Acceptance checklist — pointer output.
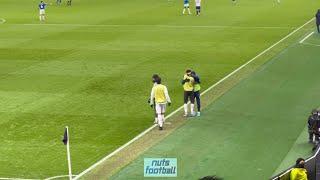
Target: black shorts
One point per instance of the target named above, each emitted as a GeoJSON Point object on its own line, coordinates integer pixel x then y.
{"type": "Point", "coordinates": [188, 95]}
{"type": "Point", "coordinates": [198, 7]}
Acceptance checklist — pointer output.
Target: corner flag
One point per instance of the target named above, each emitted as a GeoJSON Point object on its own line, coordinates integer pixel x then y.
{"type": "Point", "coordinates": [66, 142]}
{"type": "Point", "coordinates": [65, 137]}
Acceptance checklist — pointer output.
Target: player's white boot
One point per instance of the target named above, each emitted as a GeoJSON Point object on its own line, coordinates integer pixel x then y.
{"type": "Point", "coordinates": [192, 110]}
{"type": "Point", "coordinates": [185, 107]}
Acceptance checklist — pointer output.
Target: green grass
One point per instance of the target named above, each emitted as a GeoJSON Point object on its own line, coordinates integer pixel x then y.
{"type": "Point", "coordinates": [96, 79]}
{"type": "Point", "coordinates": [253, 130]}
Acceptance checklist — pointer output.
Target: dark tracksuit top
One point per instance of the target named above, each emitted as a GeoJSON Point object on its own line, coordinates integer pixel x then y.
{"type": "Point", "coordinates": [313, 126]}
{"type": "Point", "coordinates": [318, 18]}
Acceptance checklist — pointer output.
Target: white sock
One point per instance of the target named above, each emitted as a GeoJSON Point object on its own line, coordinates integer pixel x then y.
{"type": "Point", "coordinates": [185, 106]}
{"type": "Point", "coordinates": [192, 108]}
{"type": "Point", "coordinates": [40, 17]}
{"type": "Point", "coordinates": [184, 10]}
{"type": "Point", "coordinates": [189, 11]}
{"type": "Point", "coordinates": [160, 120]}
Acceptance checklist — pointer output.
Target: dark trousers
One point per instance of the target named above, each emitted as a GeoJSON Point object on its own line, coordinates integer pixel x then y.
{"type": "Point", "coordinates": [311, 134]}
{"type": "Point", "coordinates": [198, 9]}
{"type": "Point", "coordinates": [69, 2]}
{"type": "Point", "coordinates": [188, 95]}
{"type": "Point", "coordinates": [318, 28]}
{"type": "Point", "coordinates": [197, 97]}
{"type": "Point", "coordinates": [154, 108]}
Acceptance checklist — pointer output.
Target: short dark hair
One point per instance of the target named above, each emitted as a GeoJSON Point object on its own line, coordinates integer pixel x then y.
{"type": "Point", "coordinates": [298, 161]}
{"type": "Point", "coordinates": [156, 78]}
{"type": "Point", "coordinates": [188, 71]}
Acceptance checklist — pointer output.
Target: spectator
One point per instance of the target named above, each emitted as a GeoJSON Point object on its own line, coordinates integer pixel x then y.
{"type": "Point", "coordinates": [299, 172]}
{"type": "Point", "coordinates": [313, 126]}
{"type": "Point", "coordinates": [196, 90]}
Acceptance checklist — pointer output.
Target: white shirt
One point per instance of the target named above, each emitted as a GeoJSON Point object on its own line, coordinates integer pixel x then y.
{"type": "Point", "coordinates": [198, 2]}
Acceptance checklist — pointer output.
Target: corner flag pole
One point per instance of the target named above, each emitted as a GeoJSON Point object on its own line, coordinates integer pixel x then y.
{"type": "Point", "coordinates": [66, 141]}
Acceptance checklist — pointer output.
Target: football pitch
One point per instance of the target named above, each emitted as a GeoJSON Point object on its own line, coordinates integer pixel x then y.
{"type": "Point", "coordinates": [89, 66]}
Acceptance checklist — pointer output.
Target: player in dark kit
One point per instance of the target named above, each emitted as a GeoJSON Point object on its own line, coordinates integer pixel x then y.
{"type": "Point", "coordinates": [196, 90]}
{"type": "Point", "coordinates": [318, 20]}
{"type": "Point", "coordinates": [313, 126]}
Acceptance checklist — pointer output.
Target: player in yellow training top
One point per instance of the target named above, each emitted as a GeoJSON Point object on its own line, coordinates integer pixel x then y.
{"type": "Point", "coordinates": [155, 78]}
{"type": "Point", "coordinates": [188, 86]}
{"type": "Point", "coordinates": [159, 95]}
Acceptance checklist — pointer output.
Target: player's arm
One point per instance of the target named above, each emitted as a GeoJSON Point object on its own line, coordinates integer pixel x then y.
{"type": "Point", "coordinates": [184, 80]}
{"type": "Point", "coordinates": [167, 95]}
{"type": "Point", "coordinates": [197, 79]}
{"type": "Point", "coordinates": [191, 80]}
{"type": "Point", "coordinates": [152, 97]}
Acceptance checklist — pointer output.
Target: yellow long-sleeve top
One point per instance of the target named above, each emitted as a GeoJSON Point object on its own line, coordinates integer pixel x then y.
{"type": "Point", "coordinates": [188, 86]}
{"type": "Point", "coordinates": [159, 94]}
{"type": "Point", "coordinates": [298, 174]}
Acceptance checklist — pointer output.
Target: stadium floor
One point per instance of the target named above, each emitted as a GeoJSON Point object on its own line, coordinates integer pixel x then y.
{"type": "Point", "coordinates": [251, 129]}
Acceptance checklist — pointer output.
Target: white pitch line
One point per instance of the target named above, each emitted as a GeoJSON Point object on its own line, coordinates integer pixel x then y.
{"type": "Point", "coordinates": [260, 54]}
{"type": "Point", "coordinates": [174, 112]}
{"type": "Point", "coordinates": [49, 178]}
{"type": "Point", "coordinates": [287, 171]}
{"type": "Point", "coordinates": [160, 25]}
{"type": "Point", "coordinates": [55, 177]}
{"type": "Point", "coordinates": [311, 44]}
{"type": "Point", "coordinates": [306, 37]}
{"type": "Point", "coordinates": [16, 179]}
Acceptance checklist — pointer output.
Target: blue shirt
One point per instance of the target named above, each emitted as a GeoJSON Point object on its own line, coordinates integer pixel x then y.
{"type": "Point", "coordinates": [42, 6]}
{"type": "Point", "coordinates": [186, 1]}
